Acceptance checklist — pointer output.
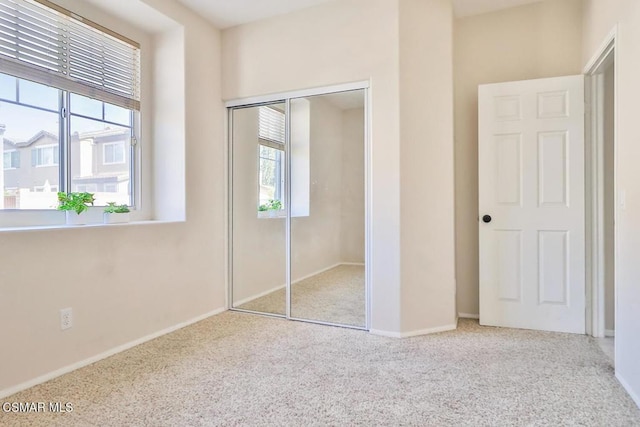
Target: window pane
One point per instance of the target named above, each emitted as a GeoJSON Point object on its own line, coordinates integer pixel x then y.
{"type": "Point", "coordinates": [31, 148]}
{"type": "Point", "coordinates": [100, 160]}
{"type": "Point", "coordinates": [117, 114]}
{"type": "Point", "coordinates": [86, 106]}
{"type": "Point", "coordinates": [7, 87]}
{"type": "Point", "coordinates": [271, 176]}
{"type": "Point", "coordinates": [38, 95]}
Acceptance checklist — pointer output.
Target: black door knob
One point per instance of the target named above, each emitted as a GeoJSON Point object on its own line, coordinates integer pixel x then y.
{"type": "Point", "coordinates": [486, 218]}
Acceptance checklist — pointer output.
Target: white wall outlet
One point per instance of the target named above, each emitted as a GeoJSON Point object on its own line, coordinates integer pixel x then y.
{"type": "Point", "coordinates": [66, 318]}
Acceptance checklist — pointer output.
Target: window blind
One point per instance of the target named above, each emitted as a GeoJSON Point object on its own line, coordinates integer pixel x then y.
{"type": "Point", "coordinates": [45, 43]}
{"type": "Point", "coordinates": [271, 125]}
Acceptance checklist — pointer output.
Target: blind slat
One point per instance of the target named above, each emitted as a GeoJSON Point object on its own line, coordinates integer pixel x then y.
{"type": "Point", "coordinates": [49, 46]}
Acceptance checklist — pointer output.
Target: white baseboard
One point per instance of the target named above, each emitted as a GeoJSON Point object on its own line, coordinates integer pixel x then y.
{"type": "Point", "coordinates": [468, 316]}
{"type": "Point", "coordinates": [629, 390]}
{"type": "Point", "coordinates": [609, 333]}
{"type": "Point", "coordinates": [81, 364]}
{"type": "Point", "coordinates": [428, 331]}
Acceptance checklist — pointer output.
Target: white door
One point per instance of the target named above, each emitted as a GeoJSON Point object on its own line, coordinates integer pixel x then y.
{"type": "Point", "coordinates": [531, 184]}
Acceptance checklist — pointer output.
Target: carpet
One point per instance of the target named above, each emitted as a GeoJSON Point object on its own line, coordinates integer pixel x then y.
{"type": "Point", "coordinates": [238, 369]}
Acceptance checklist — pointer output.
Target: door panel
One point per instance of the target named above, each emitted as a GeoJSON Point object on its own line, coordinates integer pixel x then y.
{"type": "Point", "coordinates": [258, 251]}
{"type": "Point", "coordinates": [531, 183]}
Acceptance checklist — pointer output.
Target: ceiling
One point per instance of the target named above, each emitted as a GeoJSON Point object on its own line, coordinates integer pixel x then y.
{"type": "Point", "coordinates": [228, 13]}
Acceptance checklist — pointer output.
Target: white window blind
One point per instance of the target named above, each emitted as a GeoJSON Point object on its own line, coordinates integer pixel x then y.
{"type": "Point", "coordinates": [45, 43]}
{"type": "Point", "coordinates": [271, 125]}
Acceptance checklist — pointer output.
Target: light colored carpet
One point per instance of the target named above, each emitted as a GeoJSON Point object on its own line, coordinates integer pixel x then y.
{"type": "Point", "coordinates": [336, 296]}
{"type": "Point", "coordinates": [238, 369]}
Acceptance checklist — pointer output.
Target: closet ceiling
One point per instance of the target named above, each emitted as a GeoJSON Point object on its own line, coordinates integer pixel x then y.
{"type": "Point", "coordinates": [226, 13]}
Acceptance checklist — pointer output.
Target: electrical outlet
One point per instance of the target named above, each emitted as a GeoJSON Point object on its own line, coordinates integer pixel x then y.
{"type": "Point", "coordinates": [66, 318]}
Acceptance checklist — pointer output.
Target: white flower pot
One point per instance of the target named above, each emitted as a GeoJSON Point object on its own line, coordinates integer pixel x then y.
{"type": "Point", "coordinates": [72, 218]}
{"type": "Point", "coordinates": [116, 218]}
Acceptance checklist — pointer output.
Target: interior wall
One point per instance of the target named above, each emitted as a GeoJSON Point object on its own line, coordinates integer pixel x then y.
{"type": "Point", "coordinates": [609, 199]}
{"type": "Point", "coordinates": [352, 226]}
{"type": "Point", "coordinates": [426, 160]}
{"type": "Point", "coordinates": [125, 282]}
{"type": "Point", "coordinates": [600, 18]}
{"type": "Point", "coordinates": [533, 41]}
{"type": "Point", "coordinates": [362, 37]}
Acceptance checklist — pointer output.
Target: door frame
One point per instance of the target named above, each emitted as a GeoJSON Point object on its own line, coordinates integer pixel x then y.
{"type": "Point", "coordinates": [285, 97]}
{"type": "Point", "coordinates": [606, 55]}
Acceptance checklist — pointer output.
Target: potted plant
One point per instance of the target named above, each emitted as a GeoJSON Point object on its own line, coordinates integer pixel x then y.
{"type": "Point", "coordinates": [272, 207]}
{"type": "Point", "coordinates": [116, 214]}
{"type": "Point", "coordinates": [74, 204]}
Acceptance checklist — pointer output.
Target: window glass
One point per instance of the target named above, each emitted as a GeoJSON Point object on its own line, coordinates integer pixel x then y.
{"type": "Point", "coordinates": [32, 134]}
{"type": "Point", "coordinates": [7, 87]}
{"type": "Point", "coordinates": [115, 114]}
{"type": "Point", "coordinates": [38, 95]}
{"type": "Point", "coordinates": [100, 154]}
{"type": "Point", "coordinates": [271, 177]}
{"type": "Point", "coordinates": [86, 106]}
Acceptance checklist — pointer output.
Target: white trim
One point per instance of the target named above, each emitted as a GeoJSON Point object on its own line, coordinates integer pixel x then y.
{"type": "Point", "coordinates": [428, 331]}
{"type": "Point", "coordinates": [281, 96]}
{"type": "Point", "coordinates": [468, 316]}
{"type": "Point", "coordinates": [81, 364]}
{"type": "Point", "coordinates": [595, 315]}
{"type": "Point", "coordinates": [628, 389]}
{"type": "Point", "coordinates": [602, 52]}
{"type": "Point", "coordinates": [609, 333]}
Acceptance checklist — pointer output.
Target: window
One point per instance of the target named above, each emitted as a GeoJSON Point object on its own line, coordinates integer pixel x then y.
{"type": "Point", "coordinates": [113, 153]}
{"type": "Point", "coordinates": [46, 155]}
{"type": "Point", "coordinates": [69, 99]}
{"type": "Point", "coordinates": [271, 144]}
{"type": "Point", "coordinates": [111, 188]}
{"type": "Point", "coordinates": [11, 159]}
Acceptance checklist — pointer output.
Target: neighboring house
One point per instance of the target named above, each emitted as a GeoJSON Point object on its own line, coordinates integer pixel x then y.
{"type": "Point", "coordinates": [99, 164]}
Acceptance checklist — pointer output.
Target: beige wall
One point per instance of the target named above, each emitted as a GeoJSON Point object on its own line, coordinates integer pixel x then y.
{"type": "Point", "coordinates": [533, 41]}
{"type": "Point", "coordinates": [337, 42]}
{"type": "Point", "coordinates": [600, 17]}
{"type": "Point", "coordinates": [124, 282]}
{"type": "Point", "coordinates": [426, 163]}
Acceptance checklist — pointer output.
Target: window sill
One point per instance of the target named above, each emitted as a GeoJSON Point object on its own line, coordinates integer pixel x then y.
{"type": "Point", "coordinates": [272, 214]}
{"type": "Point", "coordinates": [51, 219]}
{"type": "Point", "coordinates": [94, 225]}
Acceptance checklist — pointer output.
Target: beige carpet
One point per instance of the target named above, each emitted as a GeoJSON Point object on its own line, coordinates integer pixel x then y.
{"type": "Point", "coordinates": [239, 369]}
{"type": "Point", "coordinates": [335, 296]}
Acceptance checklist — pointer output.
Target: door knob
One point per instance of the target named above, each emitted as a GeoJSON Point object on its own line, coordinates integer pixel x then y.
{"type": "Point", "coordinates": [486, 218]}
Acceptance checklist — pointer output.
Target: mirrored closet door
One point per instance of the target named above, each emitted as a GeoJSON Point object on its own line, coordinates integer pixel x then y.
{"type": "Point", "coordinates": [258, 261]}
{"type": "Point", "coordinates": [298, 208]}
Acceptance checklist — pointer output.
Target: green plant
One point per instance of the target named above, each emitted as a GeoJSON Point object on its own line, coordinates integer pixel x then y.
{"type": "Point", "coordinates": [113, 208]}
{"type": "Point", "coordinates": [271, 205]}
{"type": "Point", "coordinates": [77, 202]}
